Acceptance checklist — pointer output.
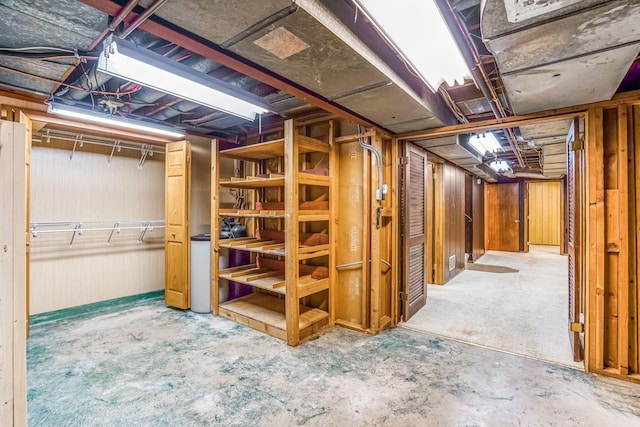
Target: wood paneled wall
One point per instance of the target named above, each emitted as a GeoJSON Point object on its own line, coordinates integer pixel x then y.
{"type": "Point", "coordinates": [544, 213]}
{"type": "Point", "coordinates": [450, 242]}
{"type": "Point", "coordinates": [477, 209]}
{"type": "Point", "coordinates": [88, 188]}
{"type": "Point", "coordinates": [613, 153]}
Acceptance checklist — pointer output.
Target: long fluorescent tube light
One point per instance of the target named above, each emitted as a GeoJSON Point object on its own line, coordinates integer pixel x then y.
{"type": "Point", "coordinates": [126, 61]}
{"type": "Point", "coordinates": [500, 166]}
{"type": "Point", "coordinates": [416, 28]}
{"type": "Point", "coordinates": [95, 117]}
{"type": "Point", "coordinates": [485, 143]}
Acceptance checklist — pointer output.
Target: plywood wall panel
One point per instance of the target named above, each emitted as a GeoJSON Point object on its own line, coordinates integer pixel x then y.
{"type": "Point", "coordinates": [88, 188]}
{"type": "Point", "coordinates": [351, 280]}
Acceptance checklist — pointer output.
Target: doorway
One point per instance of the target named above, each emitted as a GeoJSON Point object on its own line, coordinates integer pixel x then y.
{"type": "Point", "coordinates": [515, 297]}
{"type": "Point", "coordinates": [509, 301]}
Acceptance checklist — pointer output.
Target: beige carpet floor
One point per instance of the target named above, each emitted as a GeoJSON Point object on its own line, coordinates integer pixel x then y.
{"type": "Point", "coordinates": [513, 302]}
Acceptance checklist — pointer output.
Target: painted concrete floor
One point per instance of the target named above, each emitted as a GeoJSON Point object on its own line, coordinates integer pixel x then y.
{"type": "Point", "coordinates": [141, 364]}
{"type": "Point", "coordinates": [523, 312]}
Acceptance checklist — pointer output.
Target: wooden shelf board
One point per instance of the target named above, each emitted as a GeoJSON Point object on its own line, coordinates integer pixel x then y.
{"type": "Point", "coordinates": [266, 314]}
{"type": "Point", "coordinates": [310, 255]}
{"type": "Point", "coordinates": [270, 280]}
{"type": "Point", "coordinates": [308, 285]}
{"type": "Point", "coordinates": [271, 149]}
{"type": "Point", "coordinates": [262, 151]}
{"type": "Point", "coordinates": [307, 144]}
{"type": "Point", "coordinates": [253, 182]}
{"type": "Point", "coordinates": [313, 216]}
{"type": "Point", "coordinates": [250, 213]}
{"type": "Point", "coordinates": [271, 247]}
{"type": "Point", "coordinates": [311, 179]}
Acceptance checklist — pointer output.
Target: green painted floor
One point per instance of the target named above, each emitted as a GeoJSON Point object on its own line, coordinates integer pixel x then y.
{"type": "Point", "coordinates": [134, 362]}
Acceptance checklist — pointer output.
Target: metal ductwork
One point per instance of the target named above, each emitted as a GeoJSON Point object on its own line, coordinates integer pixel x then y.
{"type": "Point", "coordinates": [456, 150]}
{"type": "Point", "coordinates": [554, 54]}
{"type": "Point", "coordinates": [306, 43]}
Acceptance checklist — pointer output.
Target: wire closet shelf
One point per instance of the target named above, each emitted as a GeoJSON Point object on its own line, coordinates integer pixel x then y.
{"type": "Point", "coordinates": [77, 228]}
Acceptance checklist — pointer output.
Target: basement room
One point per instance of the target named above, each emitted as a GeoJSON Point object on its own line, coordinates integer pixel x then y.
{"type": "Point", "coordinates": [319, 212]}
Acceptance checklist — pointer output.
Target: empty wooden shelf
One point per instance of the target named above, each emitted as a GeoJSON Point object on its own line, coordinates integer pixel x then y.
{"type": "Point", "coordinates": [290, 251]}
{"type": "Point", "coordinates": [266, 313]}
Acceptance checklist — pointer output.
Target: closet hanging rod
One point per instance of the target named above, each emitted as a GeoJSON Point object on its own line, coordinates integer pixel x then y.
{"type": "Point", "coordinates": [71, 230]}
{"type": "Point", "coordinates": [78, 226]}
{"type": "Point", "coordinates": [118, 144]}
{"type": "Point", "coordinates": [116, 226]}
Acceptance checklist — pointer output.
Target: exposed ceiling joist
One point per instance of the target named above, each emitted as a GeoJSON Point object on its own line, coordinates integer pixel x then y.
{"type": "Point", "coordinates": [196, 44]}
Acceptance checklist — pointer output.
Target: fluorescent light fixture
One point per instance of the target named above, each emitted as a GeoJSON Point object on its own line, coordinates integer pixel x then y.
{"type": "Point", "coordinates": [126, 61]}
{"type": "Point", "coordinates": [419, 32]}
{"type": "Point", "coordinates": [500, 166]}
{"type": "Point", "coordinates": [485, 143]}
{"type": "Point", "coordinates": [121, 122]}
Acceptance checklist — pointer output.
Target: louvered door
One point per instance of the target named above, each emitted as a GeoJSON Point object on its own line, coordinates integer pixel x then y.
{"type": "Point", "coordinates": [414, 231]}
{"type": "Point", "coordinates": [574, 200]}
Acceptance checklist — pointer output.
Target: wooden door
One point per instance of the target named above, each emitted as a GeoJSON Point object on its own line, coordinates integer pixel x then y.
{"type": "Point", "coordinates": [544, 213]}
{"type": "Point", "coordinates": [414, 231]}
{"type": "Point", "coordinates": [575, 164]}
{"type": "Point", "coordinates": [503, 217]}
{"type": "Point", "coordinates": [177, 244]}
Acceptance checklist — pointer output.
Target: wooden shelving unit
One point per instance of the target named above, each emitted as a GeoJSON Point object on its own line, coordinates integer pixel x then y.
{"type": "Point", "coordinates": [290, 259]}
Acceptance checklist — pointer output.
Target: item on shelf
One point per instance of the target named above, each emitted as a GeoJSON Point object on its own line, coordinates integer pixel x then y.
{"type": "Point", "coordinates": [231, 229]}
{"type": "Point", "coordinates": [317, 171]}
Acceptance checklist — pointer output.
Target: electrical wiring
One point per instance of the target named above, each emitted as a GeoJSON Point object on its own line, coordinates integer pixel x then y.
{"type": "Point", "coordinates": [26, 49]}
{"type": "Point", "coordinates": [47, 79]}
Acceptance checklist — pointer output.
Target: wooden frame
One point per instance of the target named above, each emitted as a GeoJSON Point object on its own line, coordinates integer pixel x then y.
{"type": "Point", "coordinates": [279, 283]}
{"type": "Point", "coordinates": [13, 273]}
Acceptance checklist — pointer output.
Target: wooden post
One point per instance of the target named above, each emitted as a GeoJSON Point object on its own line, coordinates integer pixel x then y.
{"type": "Point", "coordinates": [13, 194]}
{"type": "Point", "coordinates": [438, 224]}
{"type": "Point", "coordinates": [374, 236]}
{"type": "Point", "coordinates": [215, 226]}
{"type": "Point", "coordinates": [364, 238]}
{"type": "Point", "coordinates": [395, 233]}
{"type": "Point", "coordinates": [623, 254]}
{"type": "Point", "coordinates": [333, 221]}
{"type": "Point", "coordinates": [634, 330]}
{"type": "Point", "coordinates": [594, 339]}
{"type": "Point", "coordinates": [292, 233]}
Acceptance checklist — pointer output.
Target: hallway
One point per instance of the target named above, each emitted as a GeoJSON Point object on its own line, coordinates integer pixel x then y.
{"type": "Point", "coordinates": [522, 312]}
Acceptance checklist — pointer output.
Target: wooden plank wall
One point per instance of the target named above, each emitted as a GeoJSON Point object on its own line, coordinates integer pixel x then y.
{"type": "Point", "coordinates": [612, 282]}
{"type": "Point", "coordinates": [477, 209]}
{"type": "Point", "coordinates": [453, 241]}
